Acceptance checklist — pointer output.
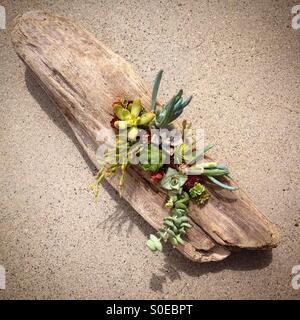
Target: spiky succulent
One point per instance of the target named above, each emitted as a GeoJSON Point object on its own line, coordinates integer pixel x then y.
{"type": "Point", "coordinates": [170, 110]}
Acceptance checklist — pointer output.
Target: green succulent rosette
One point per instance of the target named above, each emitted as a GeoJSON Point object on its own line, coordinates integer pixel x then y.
{"type": "Point", "coordinates": [173, 180]}
{"type": "Point", "coordinates": [151, 158]}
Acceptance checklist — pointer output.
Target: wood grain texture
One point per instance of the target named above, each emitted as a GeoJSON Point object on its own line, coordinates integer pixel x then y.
{"type": "Point", "coordinates": [83, 77]}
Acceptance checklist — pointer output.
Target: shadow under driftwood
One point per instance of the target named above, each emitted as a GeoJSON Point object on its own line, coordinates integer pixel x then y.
{"type": "Point", "coordinates": [124, 215]}
{"type": "Point", "coordinates": [175, 263]}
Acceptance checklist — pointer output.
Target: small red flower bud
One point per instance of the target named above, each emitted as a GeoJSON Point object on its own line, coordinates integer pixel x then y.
{"type": "Point", "coordinates": [156, 177]}
{"type": "Point", "coordinates": [112, 122]}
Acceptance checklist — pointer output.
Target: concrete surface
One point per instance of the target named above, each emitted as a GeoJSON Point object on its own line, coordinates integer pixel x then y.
{"type": "Point", "coordinates": [240, 60]}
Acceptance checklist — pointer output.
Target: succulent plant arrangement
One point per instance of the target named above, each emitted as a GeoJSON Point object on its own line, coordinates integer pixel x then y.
{"type": "Point", "coordinates": [181, 170]}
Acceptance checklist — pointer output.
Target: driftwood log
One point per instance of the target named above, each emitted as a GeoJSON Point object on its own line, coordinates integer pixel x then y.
{"type": "Point", "coordinates": [83, 77]}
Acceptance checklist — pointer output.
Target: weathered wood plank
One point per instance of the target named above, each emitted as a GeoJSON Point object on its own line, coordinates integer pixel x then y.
{"type": "Point", "coordinates": [83, 77]}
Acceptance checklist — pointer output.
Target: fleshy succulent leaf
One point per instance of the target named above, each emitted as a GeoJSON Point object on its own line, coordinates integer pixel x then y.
{"type": "Point", "coordinates": [151, 245]}
{"type": "Point", "coordinates": [132, 133]}
{"type": "Point", "coordinates": [122, 113]}
{"type": "Point", "coordinates": [215, 172]}
{"type": "Point", "coordinates": [199, 153]}
{"type": "Point", "coordinates": [156, 242]}
{"type": "Point", "coordinates": [186, 102]}
{"type": "Point", "coordinates": [155, 90]}
{"type": "Point", "coordinates": [222, 185]}
{"type": "Point", "coordinates": [196, 190]}
{"type": "Point", "coordinates": [171, 110]}
{"type": "Point", "coordinates": [145, 118]}
{"type": "Point", "coordinates": [124, 124]}
{"type": "Point", "coordinates": [152, 158]}
{"type": "Point", "coordinates": [136, 108]}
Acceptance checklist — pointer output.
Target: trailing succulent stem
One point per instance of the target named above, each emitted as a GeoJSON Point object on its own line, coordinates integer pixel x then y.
{"type": "Point", "coordinates": [174, 226]}
{"type": "Point", "coordinates": [113, 161]}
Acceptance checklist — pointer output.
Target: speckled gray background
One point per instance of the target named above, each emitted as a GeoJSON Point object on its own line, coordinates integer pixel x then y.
{"type": "Point", "coordinates": [241, 61]}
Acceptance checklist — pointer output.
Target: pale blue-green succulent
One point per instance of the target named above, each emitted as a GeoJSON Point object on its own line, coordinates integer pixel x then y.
{"type": "Point", "coordinates": [170, 110]}
{"type": "Point", "coordinates": [174, 226]}
{"type": "Point", "coordinates": [173, 181]}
